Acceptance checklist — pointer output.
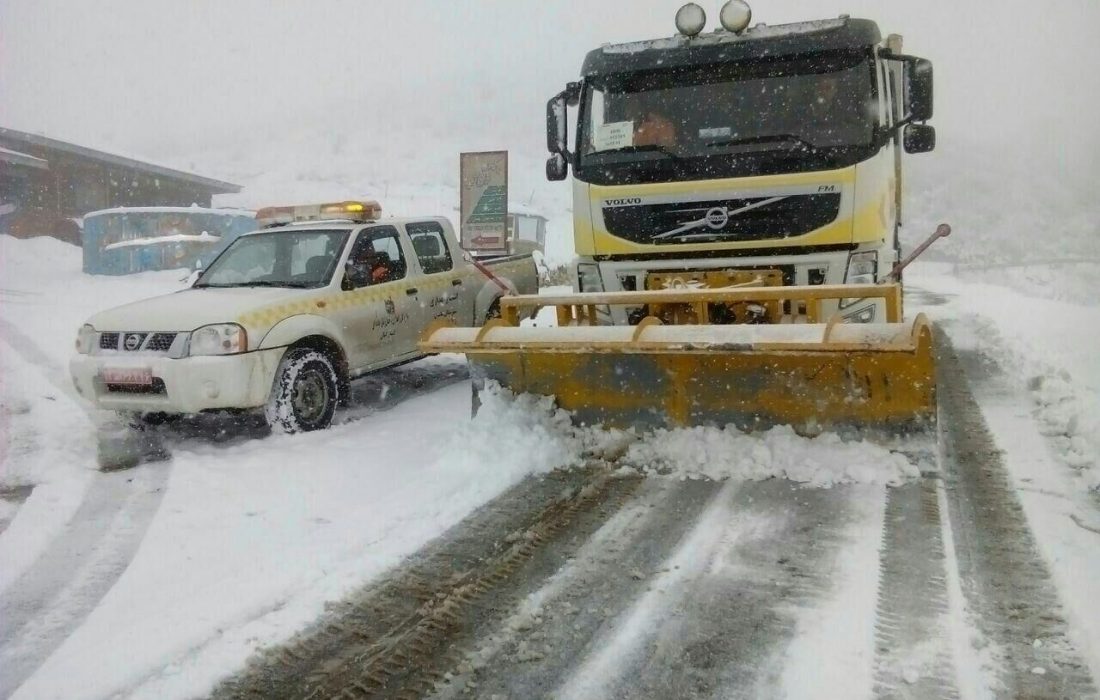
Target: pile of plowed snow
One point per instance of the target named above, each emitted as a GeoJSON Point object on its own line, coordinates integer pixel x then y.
{"type": "Point", "coordinates": [727, 453]}
{"type": "Point", "coordinates": [697, 453]}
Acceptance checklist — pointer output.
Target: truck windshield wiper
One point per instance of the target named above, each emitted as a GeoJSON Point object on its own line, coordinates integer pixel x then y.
{"type": "Point", "coordinates": [792, 139]}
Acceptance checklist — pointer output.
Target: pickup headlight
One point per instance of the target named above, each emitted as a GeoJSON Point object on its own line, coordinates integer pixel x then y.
{"type": "Point", "coordinates": [862, 269]}
{"type": "Point", "coordinates": [588, 278]}
{"type": "Point", "coordinates": [218, 339]}
{"type": "Point", "coordinates": [85, 339]}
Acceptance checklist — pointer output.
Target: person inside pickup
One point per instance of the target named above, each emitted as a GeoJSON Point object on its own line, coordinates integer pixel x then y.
{"type": "Point", "coordinates": [377, 257]}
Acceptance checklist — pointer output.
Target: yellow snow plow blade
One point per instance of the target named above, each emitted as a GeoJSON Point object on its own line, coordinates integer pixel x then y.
{"type": "Point", "coordinates": [811, 375]}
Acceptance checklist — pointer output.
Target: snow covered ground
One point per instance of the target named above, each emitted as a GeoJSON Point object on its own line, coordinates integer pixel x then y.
{"type": "Point", "coordinates": [185, 568]}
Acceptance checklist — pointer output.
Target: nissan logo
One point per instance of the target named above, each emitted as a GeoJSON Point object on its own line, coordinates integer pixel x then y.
{"type": "Point", "coordinates": [133, 341]}
{"type": "Point", "coordinates": [717, 218]}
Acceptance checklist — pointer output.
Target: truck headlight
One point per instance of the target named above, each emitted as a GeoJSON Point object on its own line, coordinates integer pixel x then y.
{"type": "Point", "coordinates": [218, 339]}
{"type": "Point", "coordinates": [862, 269]}
{"type": "Point", "coordinates": [588, 278]}
{"type": "Point", "coordinates": [85, 339]}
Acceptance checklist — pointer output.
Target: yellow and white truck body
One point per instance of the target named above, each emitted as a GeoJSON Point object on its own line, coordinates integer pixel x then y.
{"type": "Point", "coordinates": [775, 159]}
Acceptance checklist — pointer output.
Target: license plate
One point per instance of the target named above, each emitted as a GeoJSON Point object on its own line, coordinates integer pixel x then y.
{"type": "Point", "coordinates": [138, 376]}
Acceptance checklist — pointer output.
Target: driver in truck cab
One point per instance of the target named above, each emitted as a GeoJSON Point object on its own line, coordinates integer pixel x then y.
{"type": "Point", "coordinates": [651, 125]}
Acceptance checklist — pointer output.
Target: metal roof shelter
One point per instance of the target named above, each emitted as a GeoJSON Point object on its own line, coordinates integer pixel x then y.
{"type": "Point", "coordinates": [46, 184]}
{"type": "Point", "coordinates": [25, 142]}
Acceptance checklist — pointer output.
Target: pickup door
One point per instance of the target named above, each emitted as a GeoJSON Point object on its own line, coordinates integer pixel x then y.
{"type": "Point", "coordinates": [379, 317]}
{"type": "Point", "coordinates": [445, 292]}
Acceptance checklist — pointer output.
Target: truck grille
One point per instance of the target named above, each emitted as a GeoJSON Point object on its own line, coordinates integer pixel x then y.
{"type": "Point", "coordinates": [132, 341]}
{"type": "Point", "coordinates": [792, 215]}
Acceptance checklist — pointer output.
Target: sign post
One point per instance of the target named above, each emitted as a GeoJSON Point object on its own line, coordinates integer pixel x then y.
{"type": "Point", "coordinates": [483, 201]}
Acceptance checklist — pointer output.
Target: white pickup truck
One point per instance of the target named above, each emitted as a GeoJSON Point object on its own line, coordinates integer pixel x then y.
{"type": "Point", "coordinates": [287, 316]}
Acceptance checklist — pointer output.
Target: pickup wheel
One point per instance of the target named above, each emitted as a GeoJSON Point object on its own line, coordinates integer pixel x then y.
{"type": "Point", "coordinates": [306, 392]}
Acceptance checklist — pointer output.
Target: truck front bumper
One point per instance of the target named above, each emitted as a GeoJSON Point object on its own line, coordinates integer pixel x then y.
{"type": "Point", "coordinates": [829, 267]}
{"type": "Point", "coordinates": [186, 385]}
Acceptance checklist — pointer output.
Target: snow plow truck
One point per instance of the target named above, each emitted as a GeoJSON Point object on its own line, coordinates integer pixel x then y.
{"type": "Point", "coordinates": [736, 211]}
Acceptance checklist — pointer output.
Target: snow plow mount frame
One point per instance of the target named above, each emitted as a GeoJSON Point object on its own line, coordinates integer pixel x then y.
{"type": "Point", "coordinates": [581, 308]}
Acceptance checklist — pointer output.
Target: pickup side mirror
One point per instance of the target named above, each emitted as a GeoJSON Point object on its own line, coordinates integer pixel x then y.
{"type": "Point", "coordinates": [357, 275]}
{"type": "Point", "coordinates": [556, 167]}
{"type": "Point", "coordinates": [919, 138]}
{"type": "Point", "coordinates": [919, 93]}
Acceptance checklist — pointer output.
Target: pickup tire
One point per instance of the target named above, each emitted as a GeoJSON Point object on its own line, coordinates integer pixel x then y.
{"type": "Point", "coordinates": [305, 393]}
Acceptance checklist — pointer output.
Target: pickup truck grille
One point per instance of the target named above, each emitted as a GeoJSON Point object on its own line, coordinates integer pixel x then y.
{"type": "Point", "coordinates": [132, 341]}
{"type": "Point", "coordinates": [788, 216]}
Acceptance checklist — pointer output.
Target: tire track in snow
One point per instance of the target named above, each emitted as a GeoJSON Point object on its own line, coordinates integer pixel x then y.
{"type": "Point", "coordinates": [912, 638]}
{"type": "Point", "coordinates": [49, 600]}
{"type": "Point", "coordinates": [694, 589]}
{"type": "Point", "coordinates": [1004, 578]}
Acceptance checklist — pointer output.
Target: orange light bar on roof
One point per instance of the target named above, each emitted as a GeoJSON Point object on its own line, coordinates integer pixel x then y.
{"type": "Point", "coordinates": [367, 210]}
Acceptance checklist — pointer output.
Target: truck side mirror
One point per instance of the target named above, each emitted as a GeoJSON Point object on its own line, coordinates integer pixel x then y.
{"type": "Point", "coordinates": [572, 93]}
{"type": "Point", "coordinates": [556, 167]}
{"type": "Point", "coordinates": [919, 138]}
{"type": "Point", "coordinates": [556, 128]}
{"type": "Point", "coordinates": [919, 79]}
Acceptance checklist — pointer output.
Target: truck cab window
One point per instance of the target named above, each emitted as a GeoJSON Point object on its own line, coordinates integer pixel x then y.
{"type": "Point", "coordinates": [378, 251]}
{"type": "Point", "coordinates": [431, 246]}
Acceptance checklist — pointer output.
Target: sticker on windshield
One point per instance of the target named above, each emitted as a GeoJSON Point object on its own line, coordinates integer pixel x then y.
{"type": "Point", "coordinates": [613, 135]}
{"type": "Point", "coordinates": [716, 132]}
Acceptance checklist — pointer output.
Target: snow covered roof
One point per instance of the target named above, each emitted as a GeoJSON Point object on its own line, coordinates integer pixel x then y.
{"type": "Point", "coordinates": [170, 210]}
{"type": "Point", "coordinates": [524, 210]}
{"type": "Point", "coordinates": [12, 136]}
{"type": "Point", "coordinates": [203, 237]}
{"type": "Point", "coordinates": [17, 158]}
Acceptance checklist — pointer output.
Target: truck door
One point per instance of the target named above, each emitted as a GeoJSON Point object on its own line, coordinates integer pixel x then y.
{"type": "Point", "coordinates": [444, 293]}
{"type": "Point", "coordinates": [380, 305]}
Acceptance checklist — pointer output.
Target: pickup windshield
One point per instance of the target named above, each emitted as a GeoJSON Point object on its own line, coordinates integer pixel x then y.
{"type": "Point", "coordinates": [718, 119]}
{"type": "Point", "coordinates": [303, 259]}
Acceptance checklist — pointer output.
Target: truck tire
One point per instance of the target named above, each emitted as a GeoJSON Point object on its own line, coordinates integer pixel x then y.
{"type": "Point", "coordinates": [305, 394]}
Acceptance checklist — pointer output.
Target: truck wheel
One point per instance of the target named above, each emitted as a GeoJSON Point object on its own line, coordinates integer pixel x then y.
{"type": "Point", "coordinates": [305, 394]}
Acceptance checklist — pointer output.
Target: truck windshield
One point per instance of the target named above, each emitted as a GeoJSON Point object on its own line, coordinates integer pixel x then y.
{"type": "Point", "coordinates": [303, 259]}
{"type": "Point", "coordinates": [805, 109]}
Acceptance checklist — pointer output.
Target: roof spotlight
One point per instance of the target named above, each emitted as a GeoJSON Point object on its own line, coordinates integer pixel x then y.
{"type": "Point", "coordinates": [735, 16]}
{"type": "Point", "coordinates": [690, 19]}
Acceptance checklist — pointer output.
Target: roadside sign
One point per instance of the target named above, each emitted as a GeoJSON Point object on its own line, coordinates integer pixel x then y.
{"type": "Point", "coordinates": [484, 201]}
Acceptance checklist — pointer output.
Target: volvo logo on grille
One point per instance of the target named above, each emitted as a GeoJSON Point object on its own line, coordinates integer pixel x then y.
{"type": "Point", "coordinates": [133, 341]}
{"type": "Point", "coordinates": [717, 218]}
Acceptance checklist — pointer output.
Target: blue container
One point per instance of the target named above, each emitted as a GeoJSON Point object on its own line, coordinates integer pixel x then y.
{"type": "Point", "coordinates": [138, 239]}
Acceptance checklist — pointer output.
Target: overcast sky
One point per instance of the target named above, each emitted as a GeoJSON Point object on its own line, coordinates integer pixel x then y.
{"type": "Point", "coordinates": [162, 78]}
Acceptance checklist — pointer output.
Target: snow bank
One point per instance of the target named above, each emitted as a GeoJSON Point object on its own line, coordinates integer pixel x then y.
{"type": "Point", "coordinates": [1048, 346]}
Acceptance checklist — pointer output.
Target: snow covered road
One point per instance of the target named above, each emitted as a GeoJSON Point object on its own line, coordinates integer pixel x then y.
{"type": "Point", "coordinates": [746, 586]}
